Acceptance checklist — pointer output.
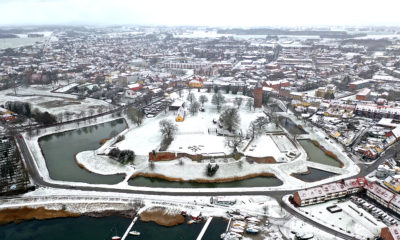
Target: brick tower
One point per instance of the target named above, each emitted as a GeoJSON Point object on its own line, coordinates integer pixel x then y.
{"type": "Point", "coordinates": [258, 92]}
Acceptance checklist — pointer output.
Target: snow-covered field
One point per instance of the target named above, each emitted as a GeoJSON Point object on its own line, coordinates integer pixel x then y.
{"type": "Point", "coordinates": [196, 134]}
{"type": "Point", "coordinates": [43, 99]}
{"type": "Point", "coordinates": [268, 144]}
{"type": "Point", "coordinates": [67, 87]}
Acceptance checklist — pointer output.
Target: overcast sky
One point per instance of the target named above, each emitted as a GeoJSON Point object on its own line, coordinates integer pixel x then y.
{"type": "Point", "coordinates": [243, 13]}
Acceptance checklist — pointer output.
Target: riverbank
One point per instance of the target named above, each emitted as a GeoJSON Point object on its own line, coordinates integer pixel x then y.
{"type": "Point", "coordinates": [18, 215]}
{"type": "Point", "coordinates": [203, 180]}
{"type": "Point", "coordinates": [162, 216]}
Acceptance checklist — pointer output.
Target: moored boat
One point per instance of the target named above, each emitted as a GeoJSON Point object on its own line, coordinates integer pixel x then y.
{"type": "Point", "coordinates": [134, 233]}
{"type": "Point", "coordinates": [252, 230]}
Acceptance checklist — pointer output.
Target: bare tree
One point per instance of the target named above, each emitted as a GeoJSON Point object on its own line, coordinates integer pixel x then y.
{"type": "Point", "coordinates": [194, 107]}
{"type": "Point", "coordinates": [67, 115]}
{"type": "Point", "coordinates": [191, 97]}
{"type": "Point", "coordinates": [234, 142]}
{"type": "Point", "coordinates": [238, 101]}
{"type": "Point", "coordinates": [100, 110]}
{"type": "Point", "coordinates": [252, 131]}
{"type": "Point", "coordinates": [203, 99]}
{"type": "Point", "coordinates": [218, 99]}
{"type": "Point", "coordinates": [230, 119]}
{"type": "Point", "coordinates": [168, 128]}
{"type": "Point", "coordinates": [180, 91]}
{"type": "Point", "coordinates": [256, 127]}
{"type": "Point", "coordinates": [135, 115]}
{"type": "Point", "coordinates": [60, 117]}
{"type": "Point", "coordinates": [82, 114]}
{"type": "Point", "coordinates": [250, 103]}
{"type": "Point", "coordinates": [91, 112]}
{"type": "Point", "coordinates": [275, 119]}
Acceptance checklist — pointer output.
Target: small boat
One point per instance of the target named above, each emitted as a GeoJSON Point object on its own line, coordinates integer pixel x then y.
{"type": "Point", "coordinates": [236, 230]}
{"type": "Point", "coordinates": [252, 230]}
{"type": "Point", "coordinates": [305, 236]}
{"type": "Point", "coordinates": [238, 217]}
{"type": "Point", "coordinates": [238, 225]}
{"type": "Point", "coordinates": [232, 235]}
{"type": "Point", "coordinates": [239, 222]}
{"type": "Point", "coordinates": [253, 219]}
{"type": "Point", "coordinates": [134, 233]}
{"type": "Point", "coordinates": [116, 238]}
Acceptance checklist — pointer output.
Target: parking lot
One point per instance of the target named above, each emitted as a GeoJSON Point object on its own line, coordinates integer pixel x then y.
{"type": "Point", "coordinates": [155, 108]}
{"type": "Point", "coordinates": [380, 213]}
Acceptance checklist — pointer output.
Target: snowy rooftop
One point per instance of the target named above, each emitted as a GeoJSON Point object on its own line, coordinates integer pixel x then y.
{"type": "Point", "coordinates": [311, 193]}
{"type": "Point", "coordinates": [374, 188]}
{"type": "Point", "coordinates": [334, 188]}
{"type": "Point", "coordinates": [353, 183]}
{"type": "Point", "coordinates": [396, 201]}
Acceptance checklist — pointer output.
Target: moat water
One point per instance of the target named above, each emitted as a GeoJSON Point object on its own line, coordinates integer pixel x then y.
{"type": "Point", "coordinates": [314, 175]}
{"type": "Point", "coordinates": [317, 155]}
{"type": "Point", "coordinates": [59, 150]}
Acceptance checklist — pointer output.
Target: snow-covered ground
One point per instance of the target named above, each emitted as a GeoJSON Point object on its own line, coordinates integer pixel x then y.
{"type": "Point", "coordinates": [43, 99]}
{"type": "Point", "coordinates": [303, 228]}
{"type": "Point", "coordinates": [275, 145]}
{"type": "Point", "coordinates": [88, 201]}
{"type": "Point", "coordinates": [147, 137]}
{"type": "Point", "coordinates": [97, 163]}
{"type": "Point", "coordinates": [197, 130]}
{"type": "Point", "coordinates": [65, 88]}
{"type": "Point", "coordinates": [352, 220]}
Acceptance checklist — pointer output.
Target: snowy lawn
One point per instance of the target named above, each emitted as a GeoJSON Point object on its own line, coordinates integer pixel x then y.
{"type": "Point", "coordinates": [265, 145]}
{"type": "Point", "coordinates": [97, 163]}
{"type": "Point", "coordinates": [196, 134]}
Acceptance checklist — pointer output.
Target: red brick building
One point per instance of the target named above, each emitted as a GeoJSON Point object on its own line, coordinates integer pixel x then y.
{"type": "Point", "coordinates": [258, 94]}
{"type": "Point", "coordinates": [328, 192]}
{"type": "Point", "coordinates": [391, 232]}
{"type": "Point", "coordinates": [363, 94]}
{"type": "Point", "coordinates": [276, 85]}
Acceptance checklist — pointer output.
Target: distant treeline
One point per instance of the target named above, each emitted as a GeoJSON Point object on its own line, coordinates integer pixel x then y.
{"type": "Point", "coordinates": [8, 35]}
{"type": "Point", "coordinates": [272, 31]}
{"type": "Point", "coordinates": [372, 44]}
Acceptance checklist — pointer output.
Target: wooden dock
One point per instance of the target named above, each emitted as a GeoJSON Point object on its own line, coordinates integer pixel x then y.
{"type": "Point", "coordinates": [204, 229]}
{"type": "Point", "coordinates": [129, 228]}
